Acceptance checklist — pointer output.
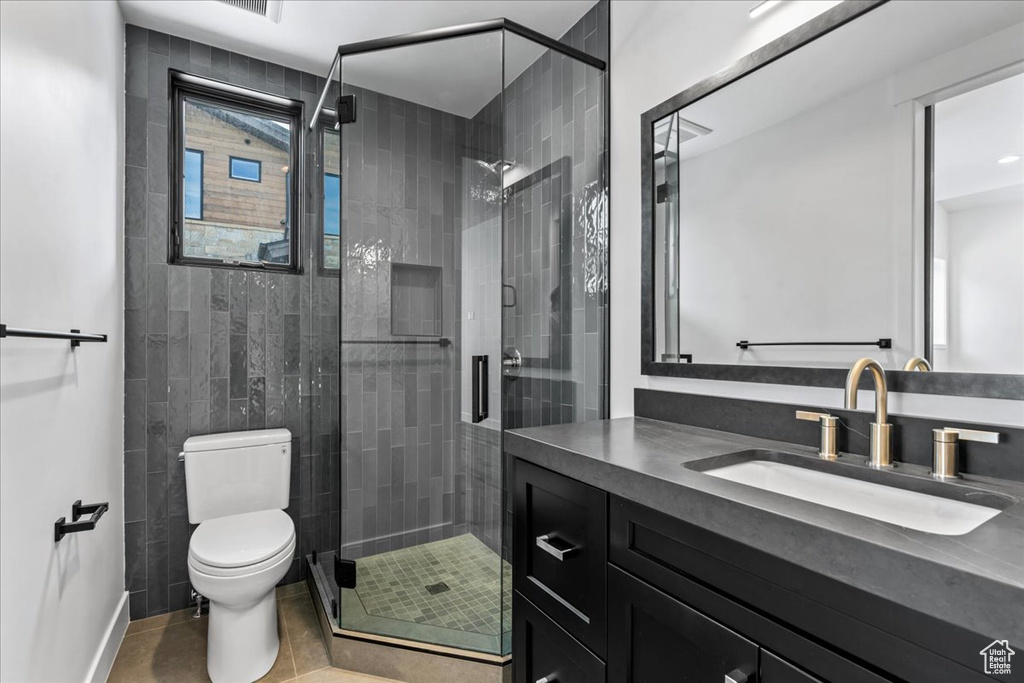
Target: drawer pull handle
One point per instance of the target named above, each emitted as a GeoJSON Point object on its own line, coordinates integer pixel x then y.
{"type": "Point", "coordinates": [736, 676]}
{"type": "Point", "coordinates": [544, 543]}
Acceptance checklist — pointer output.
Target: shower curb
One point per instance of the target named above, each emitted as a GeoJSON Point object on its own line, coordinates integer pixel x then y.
{"type": "Point", "coordinates": [395, 658]}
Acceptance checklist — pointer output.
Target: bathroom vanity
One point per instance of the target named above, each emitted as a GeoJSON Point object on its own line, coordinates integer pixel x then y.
{"type": "Point", "coordinates": [633, 563]}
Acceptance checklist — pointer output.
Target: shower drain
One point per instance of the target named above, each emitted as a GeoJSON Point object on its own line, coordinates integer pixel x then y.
{"type": "Point", "coordinates": [436, 588]}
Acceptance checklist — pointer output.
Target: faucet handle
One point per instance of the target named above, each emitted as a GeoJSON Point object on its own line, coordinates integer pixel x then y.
{"type": "Point", "coordinates": [829, 427]}
{"type": "Point", "coordinates": [823, 418]}
{"type": "Point", "coordinates": [945, 449]}
{"type": "Point", "coordinates": [968, 434]}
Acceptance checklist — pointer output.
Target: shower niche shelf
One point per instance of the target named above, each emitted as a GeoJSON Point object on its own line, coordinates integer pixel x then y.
{"type": "Point", "coordinates": [415, 300]}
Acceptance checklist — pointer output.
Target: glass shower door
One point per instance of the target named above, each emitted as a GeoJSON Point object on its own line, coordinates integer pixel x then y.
{"type": "Point", "coordinates": [420, 299]}
{"type": "Point", "coordinates": [555, 237]}
{"type": "Point", "coordinates": [472, 274]}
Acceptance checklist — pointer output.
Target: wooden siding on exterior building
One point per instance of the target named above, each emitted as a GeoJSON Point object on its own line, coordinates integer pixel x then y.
{"type": "Point", "coordinates": [229, 201]}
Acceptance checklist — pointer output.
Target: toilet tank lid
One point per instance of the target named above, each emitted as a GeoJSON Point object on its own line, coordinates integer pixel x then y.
{"type": "Point", "coordinates": [256, 437]}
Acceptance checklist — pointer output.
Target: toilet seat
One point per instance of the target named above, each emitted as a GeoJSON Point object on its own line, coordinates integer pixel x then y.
{"type": "Point", "coordinates": [241, 544]}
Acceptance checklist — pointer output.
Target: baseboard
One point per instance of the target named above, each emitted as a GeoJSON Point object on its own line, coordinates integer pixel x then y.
{"type": "Point", "coordinates": [104, 659]}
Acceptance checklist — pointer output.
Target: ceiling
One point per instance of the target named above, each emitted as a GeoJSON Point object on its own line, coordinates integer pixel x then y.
{"type": "Point", "coordinates": [885, 41]}
{"type": "Point", "coordinates": [457, 76]}
{"type": "Point", "coordinates": [972, 132]}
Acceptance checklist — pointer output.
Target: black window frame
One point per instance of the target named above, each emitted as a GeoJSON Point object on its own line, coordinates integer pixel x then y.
{"type": "Point", "coordinates": [202, 177]}
{"type": "Point", "coordinates": [184, 86]}
{"type": "Point", "coordinates": [231, 171]}
{"type": "Point", "coordinates": [325, 126]}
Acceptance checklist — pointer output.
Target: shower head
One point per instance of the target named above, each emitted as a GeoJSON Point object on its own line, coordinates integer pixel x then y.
{"type": "Point", "coordinates": [499, 166]}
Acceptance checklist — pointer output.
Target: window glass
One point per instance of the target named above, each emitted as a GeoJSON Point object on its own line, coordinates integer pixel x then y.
{"type": "Point", "coordinates": [245, 169]}
{"type": "Point", "coordinates": [331, 201]}
{"type": "Point", "coordinates": [193, 184]}
{"type": "Point", "coordinates": [237, 183]}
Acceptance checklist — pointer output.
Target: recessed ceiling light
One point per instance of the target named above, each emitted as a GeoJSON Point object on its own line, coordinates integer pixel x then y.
{"type": "Point", "coordinates": [1010, 159]}
{"type": "Point", "coordinates": [762, 7]}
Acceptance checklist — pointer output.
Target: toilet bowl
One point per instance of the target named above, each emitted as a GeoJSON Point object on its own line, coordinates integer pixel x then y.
{"type": "Point", "coordinates": [235, 562]}
{"type": "Point", "coordinates": [236, 486]}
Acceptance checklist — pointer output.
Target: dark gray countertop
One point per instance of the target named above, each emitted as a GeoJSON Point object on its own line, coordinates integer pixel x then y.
{"type": "Point", "coordinates": [975, 581]}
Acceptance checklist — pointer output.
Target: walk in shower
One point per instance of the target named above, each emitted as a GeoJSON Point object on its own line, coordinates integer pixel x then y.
{"type": "Point", "coordinates": [464, 216]}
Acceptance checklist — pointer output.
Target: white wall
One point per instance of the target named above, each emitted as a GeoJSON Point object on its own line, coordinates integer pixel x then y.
{"type": "Point", "coordinates": [658, 49]}
{"type": "Point", "coordinates": [986, 289]}
{"type": "Point", "coordinates": [61, 208]}
{"type": "Point", "coordinates": [765, 255]}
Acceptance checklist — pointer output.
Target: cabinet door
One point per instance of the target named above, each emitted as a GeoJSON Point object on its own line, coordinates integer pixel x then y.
{"type": "Point", "coordinates": [775, 670]}
{"type": "Point", "coordinates": [653, 638]}
{"type": "Point", "coordinates": [545, 652]}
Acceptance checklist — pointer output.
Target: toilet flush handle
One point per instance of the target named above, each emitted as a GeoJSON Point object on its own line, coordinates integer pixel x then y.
{"type": "Point", "coordinates": [181, 456]}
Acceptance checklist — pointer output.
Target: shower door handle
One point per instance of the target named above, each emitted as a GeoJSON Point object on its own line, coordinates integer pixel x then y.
{"type": "Point", "coordinates": [479, 388]}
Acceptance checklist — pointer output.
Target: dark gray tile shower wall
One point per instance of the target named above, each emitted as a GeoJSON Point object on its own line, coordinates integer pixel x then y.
{"type": "Point", "coordinates": [554, 124]}
{"type": "Point", "coordinates": [210, 349]}
{"type": "Point", "coordinates": [400, 240]}
{"type": "Point", "coordinates": [414, 470]}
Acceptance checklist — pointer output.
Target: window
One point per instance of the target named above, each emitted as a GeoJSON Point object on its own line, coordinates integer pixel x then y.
{"type": "Point", "coordinates": [331, 198]}
{"type": "Point", "coordinates": [234, 194]}
{"type": "Point", "coordinates": [245, 169]}
{"type": "Point", "coordinates": [194, 184]}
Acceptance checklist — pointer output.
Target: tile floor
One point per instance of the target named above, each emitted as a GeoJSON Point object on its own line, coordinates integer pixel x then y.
{"type": "Point", "coordinates": [171, 648]}
{"type": "Point", "coordinates": [407, 585]}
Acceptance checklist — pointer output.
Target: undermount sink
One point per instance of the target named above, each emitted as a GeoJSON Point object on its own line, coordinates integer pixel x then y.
{"type": "Point", "coordinates": [850, 488]}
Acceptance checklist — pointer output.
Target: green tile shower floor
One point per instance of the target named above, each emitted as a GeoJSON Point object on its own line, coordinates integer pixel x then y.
{"type": "Point", "coordinates": [455, 592]}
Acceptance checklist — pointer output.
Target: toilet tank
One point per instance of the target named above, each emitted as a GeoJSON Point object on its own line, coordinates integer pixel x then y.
{"type": "Point", "coordinates": [237, 472]}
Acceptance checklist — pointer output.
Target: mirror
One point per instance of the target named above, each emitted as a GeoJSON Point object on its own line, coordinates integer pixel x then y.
{"type": "Point", "coordinates": [976, 230]}
{"type": "Point", "coordinates": [862, 195]}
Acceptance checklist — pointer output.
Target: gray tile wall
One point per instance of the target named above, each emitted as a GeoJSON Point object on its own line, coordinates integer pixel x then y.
{"type": "Point", "coordinates": [400, 402]}
{"type": "Point", "coordinates": [210, 349]}
{"type": "Point", "coordinates": [554, 110]}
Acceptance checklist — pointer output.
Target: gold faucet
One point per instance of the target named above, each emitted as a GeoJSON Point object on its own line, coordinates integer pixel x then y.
{"type": "Point", "coordinates": [917, 363]}
{"type": "Point", "coordinates": [881, 431]}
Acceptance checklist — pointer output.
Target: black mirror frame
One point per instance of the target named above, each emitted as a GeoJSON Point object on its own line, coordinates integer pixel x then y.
{"type": "Point", "coordinates": [943, 383]}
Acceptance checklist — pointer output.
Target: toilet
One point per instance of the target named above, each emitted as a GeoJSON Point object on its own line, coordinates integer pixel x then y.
{"type": "Point", "coordinates": [237, 486]}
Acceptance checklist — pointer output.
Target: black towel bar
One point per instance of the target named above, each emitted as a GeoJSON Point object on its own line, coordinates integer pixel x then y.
{"type": "Point", "coordinates": [74, 336]}
{"type": "Point", "coordinates": [61, 528]}
{"type": "Point", "coordinates": [881, 343]}
{"type": "Point", "coordinates": [443, 341]}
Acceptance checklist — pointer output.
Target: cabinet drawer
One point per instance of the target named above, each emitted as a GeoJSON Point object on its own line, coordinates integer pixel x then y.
{"type": "Point", "coordinates": [560, 550]}
{"type": "Point", "coordinates": [654, 638]}
{"type": "Point", "coordinates": [773, 601]}
{"type": "Point", "coordinates": [544, 651]}
{"type": "Point", "coordinates": [775, 670]}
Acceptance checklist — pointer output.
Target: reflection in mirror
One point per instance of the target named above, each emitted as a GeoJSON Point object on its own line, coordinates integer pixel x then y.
{"type": "Point", "coordinates": [331, 199]}
{"type": "Point", "coordinates": [977, 230]}
{"type": "Point", "coordinates": [788, 214]}
{"type": "Point", "coordinates": [666, 235]}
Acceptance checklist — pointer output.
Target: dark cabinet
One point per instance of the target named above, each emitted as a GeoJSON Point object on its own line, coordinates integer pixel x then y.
{"type": "Point", "coordinates": [545, 652]}
{"type": "Point", "coordinates": [775, 670]}
{"type": "Point", "coordinates": [609, 590]}
{"type": "Point", "coordinates": [654, 638]}
{"type": "Point", "coordinates": [560, 535]}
